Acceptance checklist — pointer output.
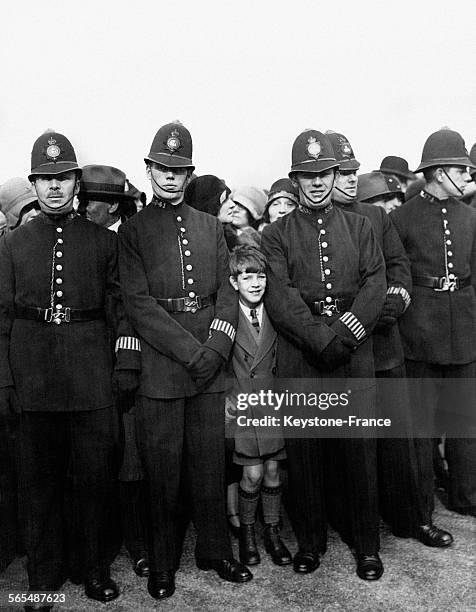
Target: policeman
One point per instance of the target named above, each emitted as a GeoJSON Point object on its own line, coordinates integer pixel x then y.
{"type": "Point", "coordinates": [326, 287]}
{"type": "Point", "coordinates": [173, 262]}
{"type": "Point", "coordinates": [401, 503]}
{"type": "Point", "coordinates": [439, 327]}
{"type": "Point", "coordinates": [60, 297]}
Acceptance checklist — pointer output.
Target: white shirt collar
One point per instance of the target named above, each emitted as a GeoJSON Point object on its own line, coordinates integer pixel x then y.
{"type": "Point", "coordinates": [259, 312]}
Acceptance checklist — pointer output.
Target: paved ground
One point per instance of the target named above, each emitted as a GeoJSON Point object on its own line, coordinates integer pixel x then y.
{"type": "Point", "coordinates": [416, 578]}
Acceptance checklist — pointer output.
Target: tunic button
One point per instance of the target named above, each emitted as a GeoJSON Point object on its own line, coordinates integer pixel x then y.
{"type": "Point", "coordinates": [329, 286]}
{"type": "Point", "coordinates": [59, 254]}
{"type": "Point", "coordinates": [327, 271]}
{"type": "Point", "coordinates": [450, 265]}
{"type": "Point", "coordinates": [325, 258]}
{"type": "Point", "coordinates": [323, 232]}
{"type": "Point", "coordinates": [444, 211]}
{"type": "Point", "coordinates": [191, 294]}
{"type": "Point", "coordinates": [451, 276]}
{"type": "Point", "coordinates": [182, 229]}
{"type": "Point", "coordinates": [59, 267]}
{"type": "Point", "coordinates": [447, 232]}
{"type": "Point", "coordinates": [190, 281]}
{"type": "Point", "coordinates": [450, 253]}
{"type": "Point", "coordinates": [448, 242]}
{"type": "Point", "coordinates": [185, 241]}
{"type": "Point", "coordinates": [179, 219]}
{"type": "Point", "coordinates": [59, 281]}
{"type": "Point", "coordinates": [59, 294]}
{"type": "Point", "coordinates": [324, 245]}
{"type": "Point", "coordinates": [59, 230]}
{"type": "Point", "coordinates": [187, 253]}
{"type": "Point", "coordinates": [319, 221]}
{"type": "Point", "coordinates": [60, 240]}
{"type": "Point", "coordinates": [189, 267]}
{"type": "Point", "coordinates": [59, 306]}
{"type": "Point", "coordinates": [328, 299]}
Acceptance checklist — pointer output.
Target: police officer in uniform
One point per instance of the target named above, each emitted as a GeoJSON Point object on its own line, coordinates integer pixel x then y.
{"type": "Point", "coordinates": [326, 287]}
{"type": "Point", "coordinates": [173, 263]}
{"type": "Point", "coordinates": [401, 503]}
{"type": "Point", "coordinates": [438, 329]}
{"type": "Point", "coordinates": [60, 297]}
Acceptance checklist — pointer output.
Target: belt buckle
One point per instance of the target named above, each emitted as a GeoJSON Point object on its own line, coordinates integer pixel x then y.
{"type": "Point", "coordinates": [446, 284]}
{"type": "Point", "coordinates": [328, 309]}
{"type": "Point", "coordinates": [191, 304]}
{"type": "Point", "coordinates": [58, 317]}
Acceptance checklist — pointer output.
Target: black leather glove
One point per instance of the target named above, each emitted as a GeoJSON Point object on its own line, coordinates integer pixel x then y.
{"type": "Point", "coordinates": [125, 384]}
{"type": "Point", "coordinates": [8, 402]}
{"type": "Point", "coordinates": [392, 309]}
{"type": "Point", "coordinates": [204, 365]}
{"type": "Point", "coordinates": [336, 353]}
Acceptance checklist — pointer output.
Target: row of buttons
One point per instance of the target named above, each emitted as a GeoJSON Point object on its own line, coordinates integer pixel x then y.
{"type": "Point", "coordinates": [447, 242]}
{"type": "Point", "coordinates": [187, 253]}
{"type": "Point", "coordinates": [59, 268]}
{"type": "Point", "coordinates": [325, 258]}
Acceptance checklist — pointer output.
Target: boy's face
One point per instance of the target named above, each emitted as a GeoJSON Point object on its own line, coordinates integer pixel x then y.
{"type": "Point", "coordinates": [250, 286]}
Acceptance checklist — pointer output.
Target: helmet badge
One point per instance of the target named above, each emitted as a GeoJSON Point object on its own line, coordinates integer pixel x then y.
{"type": "Point", "coordinates": [173, 141]}
{"type": "Point", "coordinates": [313, 147]}
{"type": "Point", "coordinates": [53, 151]}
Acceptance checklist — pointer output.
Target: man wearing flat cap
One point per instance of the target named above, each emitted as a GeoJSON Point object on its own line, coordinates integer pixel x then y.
{"type": "Point", "coordinates": [438, 329]}
{"type": "Point", "coordinates": [326, 287]}
{"type": "Point", "coordinates": [174, 278]}
{"type": "Point", "coordinates": [60, 299]}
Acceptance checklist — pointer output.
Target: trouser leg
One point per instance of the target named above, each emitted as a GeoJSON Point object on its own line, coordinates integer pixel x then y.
{"type": "Point", "coordinates": [205, 457]}
{"type": "Point", "coordinates": [160, 434]}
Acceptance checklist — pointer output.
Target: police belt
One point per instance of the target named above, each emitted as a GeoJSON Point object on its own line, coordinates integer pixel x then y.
{"type": "Point", "coordinates": [335, 306]}
{"type": "Point", "coordinates": [63, 315]}
{"type": "Point", "coordinates": [442, 283]}
{"type": "Point", "coordinates": [186, 304]}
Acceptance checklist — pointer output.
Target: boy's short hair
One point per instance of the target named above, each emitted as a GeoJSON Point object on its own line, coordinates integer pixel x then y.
{"type": "Point", "coordinates": [247, 258]}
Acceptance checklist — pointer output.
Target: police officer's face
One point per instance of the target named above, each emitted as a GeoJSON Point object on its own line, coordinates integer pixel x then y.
{"type": "Point", "coordinates": [56, 192]}
{"type": "Point", "coordinates": [345, 188]}
{"type": "Point", "coordinates": [315, 188]}
{"type": "Point", "coordinates": [460, 177]}
{"type": "Point", "coordinates": [280, 207]}
{"type": "Point", "coordinates": [102, 213]}
{"type": "Point", "coordinates": [168, 183]}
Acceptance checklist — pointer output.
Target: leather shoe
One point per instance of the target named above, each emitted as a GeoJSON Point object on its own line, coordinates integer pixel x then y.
{"type": "Point", "coordinates": [101, 588]}
{"type": "Point", "coordinates": [430, 535]}
{"type": "Point", "coordinates": [141, 567]}
{"type": "Point", "coordinates": [369, 567]}
{"type": "Point", "coordinates": [228, 569]}
{"type": "Point", "coordinates": [305, 562]}
{"type": "Point", "coordinates": [249, 554]}
{"type": "Point", "coordinates": [161, 584]}
{"type": "Point", "coordinates": [274, 546]}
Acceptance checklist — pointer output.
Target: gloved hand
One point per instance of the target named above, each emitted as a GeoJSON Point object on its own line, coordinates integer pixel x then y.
{"type": "Point", "coordinates": [125, 384]}
{"type": "Point", "coordinates": [230, 409]}
{"type": "Point", "coordinates": [203, 366]}
{"type": "Point", "coordinates": [392, 309]}
{"type": "Point", "coordinates": [336, 353]}
{"type": "Point", "coordinates": [8, 402]}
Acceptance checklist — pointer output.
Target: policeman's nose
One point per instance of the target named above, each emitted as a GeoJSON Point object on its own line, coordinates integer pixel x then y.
{"type": "Point", "coordinates": [55, 184]}
{"type": "Point", "coordinates": [467, 176]}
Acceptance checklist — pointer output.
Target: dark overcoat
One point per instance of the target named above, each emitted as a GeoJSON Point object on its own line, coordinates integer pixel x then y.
{"type": "Point", "coordinates": [176, 252]}
{"type": "Point", "coordinates": [388, 351]}
{"type": "Point", "coordinates": [439, 237]}
{"type": "Point", "coordinates": [47, 262]}
{"type": "Point", "coordinates": [254, 366]}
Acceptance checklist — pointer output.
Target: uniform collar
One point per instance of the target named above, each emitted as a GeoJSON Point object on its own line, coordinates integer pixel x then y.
{"type": "Point", "coordinates": [165, 204]}
{"type": "Point", "coordinates": [313, 213]}
{"type": "Point", "coordinates": [57, 219]}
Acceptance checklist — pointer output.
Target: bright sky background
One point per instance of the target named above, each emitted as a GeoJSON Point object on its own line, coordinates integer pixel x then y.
{"type": "Point", "coordinates": [244, 76]}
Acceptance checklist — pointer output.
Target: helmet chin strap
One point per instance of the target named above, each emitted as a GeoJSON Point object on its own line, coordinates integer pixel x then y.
{"type": "Point", "coordinates": [452, 182]}
{"type": "Point", "coordinates": [160, 188]}
{"type": "Point", "coordinates": [313, 204]}
{"type": "Point", "coordinates": [57, 211]}
{"type": "Point", "coordinates": [344, 193]}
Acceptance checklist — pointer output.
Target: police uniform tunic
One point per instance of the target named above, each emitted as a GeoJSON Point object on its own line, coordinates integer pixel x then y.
{"type": "Point", "coordinates": [173, 255]}
{"type": "Point", "coordinates": [401, 503]}
{"type": "Point", "coordinates": [329, 259]}
{"type": "Point", "coordinates": [439, 328]}
{"type": "Point", "coordinates": [61, 368]}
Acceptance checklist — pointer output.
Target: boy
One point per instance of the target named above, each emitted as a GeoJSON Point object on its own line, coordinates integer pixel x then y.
{"type": "Point", "coordinates": [254, 357]}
